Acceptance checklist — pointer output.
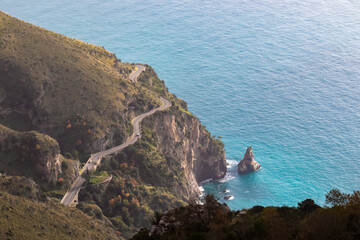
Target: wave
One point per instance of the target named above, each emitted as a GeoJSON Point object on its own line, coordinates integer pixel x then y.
{"type": "Point", "coordinates": [229, 197]}
{"type": "Point", "coordinates": [226, 178]}
{"type": "Point", "coordinates": [231, 163]}
{"type": "Point", "coordinates": [206, 181]}
{"type": "Point", "coordinates": [231, 173]}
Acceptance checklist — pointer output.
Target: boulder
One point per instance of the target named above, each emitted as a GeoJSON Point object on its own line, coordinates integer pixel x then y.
{"type": "Point", "coordinates": [248, 164]}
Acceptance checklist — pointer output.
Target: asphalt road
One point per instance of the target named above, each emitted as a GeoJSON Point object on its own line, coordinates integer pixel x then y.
{"type": "Point", "coordinates": [133, 77]}
{"type": "Point", "coordinates": [95, 159]}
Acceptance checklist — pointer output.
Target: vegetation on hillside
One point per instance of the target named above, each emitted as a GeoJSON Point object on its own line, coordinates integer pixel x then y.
{"type": "Point", "coordinates": [144, 181]}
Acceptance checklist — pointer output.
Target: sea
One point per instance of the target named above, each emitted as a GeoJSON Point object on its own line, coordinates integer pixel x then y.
{"type": "Point", "coordinates": [281, 76]}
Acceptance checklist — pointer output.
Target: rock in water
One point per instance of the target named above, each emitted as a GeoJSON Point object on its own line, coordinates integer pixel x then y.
{"type": "Point", "coordinates": [248, 164]}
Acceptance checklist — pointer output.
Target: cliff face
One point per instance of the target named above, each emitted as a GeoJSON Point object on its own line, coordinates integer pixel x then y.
{"type": "Point", "coordinates": [181, 136]}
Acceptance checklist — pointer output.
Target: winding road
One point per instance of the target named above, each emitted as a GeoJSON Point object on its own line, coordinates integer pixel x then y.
{"type": "Point", "coordinates": [95, 159]}
{"type": "Point", "coordinates": [134, 75]}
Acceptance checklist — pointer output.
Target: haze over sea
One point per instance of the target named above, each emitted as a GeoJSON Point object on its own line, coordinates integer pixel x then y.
{"type": "Point", "coordinates": [281, 76]}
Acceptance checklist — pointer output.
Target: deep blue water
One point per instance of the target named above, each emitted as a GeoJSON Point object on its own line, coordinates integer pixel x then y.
{"type": "Point", "coordinates": [281, 76]}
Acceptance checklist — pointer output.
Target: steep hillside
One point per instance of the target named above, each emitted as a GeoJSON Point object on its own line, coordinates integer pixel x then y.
{"type": "Point", "coordinates": [67, 99]}
{"type": "Point", "coordinates": [25, 219]}
{"type": "Point", "coordinates": [160, 171]}
{"type": "Point", "coordinates": [77, 92]}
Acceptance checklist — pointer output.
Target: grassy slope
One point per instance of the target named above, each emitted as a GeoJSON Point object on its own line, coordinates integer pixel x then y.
{"type": "Point", "coordinates": [25, 219]}
{"type": "Point", "coordinates": [64, 65]}
{"type": "Point", "coordinates": [64, 86]}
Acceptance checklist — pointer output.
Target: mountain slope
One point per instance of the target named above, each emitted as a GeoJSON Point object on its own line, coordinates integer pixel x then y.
{"type": "Point", "coordinates": [65, 87]}
{"type": "Point", "coordinates": [80, 98]}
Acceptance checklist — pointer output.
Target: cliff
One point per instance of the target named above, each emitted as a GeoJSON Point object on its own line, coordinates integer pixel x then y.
{"type": "Point", "coordinates": [181, 136]}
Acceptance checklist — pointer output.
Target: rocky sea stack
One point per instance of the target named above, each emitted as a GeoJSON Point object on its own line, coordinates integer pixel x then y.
{"type": "Point", "coordinates": [248, 164]}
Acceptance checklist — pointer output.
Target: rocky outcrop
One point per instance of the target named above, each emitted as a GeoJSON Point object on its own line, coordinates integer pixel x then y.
{"type": "Point", "coordinates": [30, 154]}
{"type": "Point", "coordinates": [21, 186]}
{"type": "Point", "coordinates": [182, 137]}
{"type": "Point", "coordinates": [248, 164]}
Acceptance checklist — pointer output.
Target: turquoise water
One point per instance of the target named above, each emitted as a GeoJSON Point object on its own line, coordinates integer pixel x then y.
{"type": "Point", "coordinates": [278, 75]}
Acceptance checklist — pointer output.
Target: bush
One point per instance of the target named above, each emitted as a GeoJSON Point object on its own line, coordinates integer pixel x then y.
{"type": "Point", "coordinates": [143, 234]}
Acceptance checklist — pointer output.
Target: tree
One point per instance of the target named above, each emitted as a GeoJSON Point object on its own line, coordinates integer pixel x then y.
{"type": "Point", "coordinates": [354, 199]}
{"type": "Point", "coordinates": [211, 205]}
{"type": "Point", "coordinates": [308, 206]}
{"type": "Point", "coordinates": [336, 198]}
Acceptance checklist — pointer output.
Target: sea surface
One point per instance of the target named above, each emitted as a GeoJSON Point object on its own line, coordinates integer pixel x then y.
{"type": "Point", "coordinates": [282, 76]}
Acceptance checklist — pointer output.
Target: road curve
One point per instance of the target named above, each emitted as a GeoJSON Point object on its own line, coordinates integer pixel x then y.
{"type": "Point", "coordinates": [95, 159]}
{"type": "Point", "coordinates": [134, 75]}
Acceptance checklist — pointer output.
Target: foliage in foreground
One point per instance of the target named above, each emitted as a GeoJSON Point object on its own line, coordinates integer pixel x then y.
{"type": "Point", "coordinates": [215, 221]}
